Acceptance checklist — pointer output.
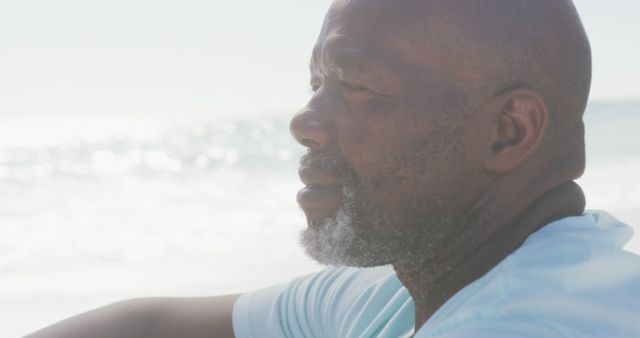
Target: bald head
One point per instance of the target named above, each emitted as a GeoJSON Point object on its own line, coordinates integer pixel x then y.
{"type": "Point", "coordinates": [504, 44]}
{"type": "Point", "coordinates": [468, 51]}
{"type": "Point", "coordinates": [489, 46]}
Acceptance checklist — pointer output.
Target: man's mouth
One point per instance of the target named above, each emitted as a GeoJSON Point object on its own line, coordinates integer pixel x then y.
{"type": "Point", "coordinates": [314, 197]}
{"type": "Point", "coordinates": [320, 198]}
{"type": "Point", "coordinates": [313, 177]}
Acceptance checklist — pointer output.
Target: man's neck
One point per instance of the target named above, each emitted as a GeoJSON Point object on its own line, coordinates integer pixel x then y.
{"type": "Point", "coordinates": [474, 254]}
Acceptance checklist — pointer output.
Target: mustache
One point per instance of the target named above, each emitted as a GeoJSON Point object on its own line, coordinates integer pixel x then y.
{"type": "Point", "coordinates": [327, 164]}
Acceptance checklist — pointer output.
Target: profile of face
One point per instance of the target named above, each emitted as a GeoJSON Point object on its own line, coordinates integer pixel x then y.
{"type": "Point", "coordinates": [391, 152]}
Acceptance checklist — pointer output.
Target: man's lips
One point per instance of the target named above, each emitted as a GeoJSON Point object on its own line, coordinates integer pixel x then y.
{"type": "Point", "coordinates": [320, 198]}
{"type": "Point", "coordinates": [312, 177]}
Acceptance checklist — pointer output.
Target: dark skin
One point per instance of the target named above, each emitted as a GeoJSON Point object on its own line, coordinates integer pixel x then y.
{"type": "Point", "coordinates": [200, 317]}
{"type": "Point", "coordinates": [377, 95]}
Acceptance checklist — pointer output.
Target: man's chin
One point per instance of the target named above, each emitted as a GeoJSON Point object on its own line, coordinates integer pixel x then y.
{"type": "Point", "coordinates": [332, 242]}
{"type": "Point", "coordinates": [336, 256]}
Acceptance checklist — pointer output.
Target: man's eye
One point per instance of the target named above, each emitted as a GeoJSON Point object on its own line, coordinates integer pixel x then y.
{"type": "Point", "coordinates": [352, 87]}
{"type": "Point", "coordinates": [314, 88]}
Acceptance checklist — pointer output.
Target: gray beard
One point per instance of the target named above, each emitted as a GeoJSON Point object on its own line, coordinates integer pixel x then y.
{"type": "Point", "coordinates": [353, 237]}
{"type": "Point", "coordinates": [363, 234]}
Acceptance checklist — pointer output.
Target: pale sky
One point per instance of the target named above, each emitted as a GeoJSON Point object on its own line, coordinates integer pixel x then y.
{"type": "Point", "coordinates": [197, 57]}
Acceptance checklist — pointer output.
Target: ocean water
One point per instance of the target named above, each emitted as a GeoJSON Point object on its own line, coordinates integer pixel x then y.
{"type": "Point", "coordinates": [98, 210]}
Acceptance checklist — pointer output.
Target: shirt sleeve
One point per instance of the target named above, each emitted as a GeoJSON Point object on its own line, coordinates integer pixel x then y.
{"type": "Point", "coordinates": [251, 313]}
{"type": "Point", "coordinates": [295, 309]}
{"type": "Point", "coordinates": [336, 302]}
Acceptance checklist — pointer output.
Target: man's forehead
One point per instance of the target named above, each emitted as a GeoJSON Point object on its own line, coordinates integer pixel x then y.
{"type": "Point", "coordinates": [360, 29]}
{"type": "Point", "coordinates": [361, 33]}
{"type": "Point", "coordinates": [367, 17]}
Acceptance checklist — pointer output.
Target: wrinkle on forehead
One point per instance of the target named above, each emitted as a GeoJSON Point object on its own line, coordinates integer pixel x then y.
{"type": "Point", "coordinates": [358, 65]}
{"type": "Point", "coordinates": [388, 30]}
{"type": "Point", "coordinates": [368, 21]}
{"type": "Point", "coordinates": [341, 57]}
{"type": "Point", "coordinates": [359, 36]}
{"type": "Point", "coordinates": [336, 53]}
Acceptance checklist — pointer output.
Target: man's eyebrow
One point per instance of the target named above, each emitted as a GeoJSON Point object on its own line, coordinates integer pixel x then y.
{"type": "Point", "coordinates": [313, 63]}
{"type": "Point", "coordinates": [354, 61]}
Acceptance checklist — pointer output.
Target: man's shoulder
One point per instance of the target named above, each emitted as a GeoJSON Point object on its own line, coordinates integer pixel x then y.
{"type": "Point", "coordinates": [578, 254]}
{"type": "Point", "coordinates": [349, 290]}
{"type": "Point", "coordinates": [571, 278]}
{"type": "Point", "coordinates": [575, 259]}
{"type": "Point", "coordinates": [357, 278]}
{"type": "Point", "coordinates": [334, 302]}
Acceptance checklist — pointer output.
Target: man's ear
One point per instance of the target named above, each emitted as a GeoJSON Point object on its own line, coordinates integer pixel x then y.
{"type": "Point", "coordinates": [520, 124]}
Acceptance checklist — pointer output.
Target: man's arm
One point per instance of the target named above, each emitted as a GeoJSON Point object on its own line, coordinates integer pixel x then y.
{"type": "Point", "coordinates": [150, 317]}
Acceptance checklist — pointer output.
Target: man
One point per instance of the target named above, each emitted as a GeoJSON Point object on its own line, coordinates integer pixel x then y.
{"type": "Point", "coordinates": [443, 139]}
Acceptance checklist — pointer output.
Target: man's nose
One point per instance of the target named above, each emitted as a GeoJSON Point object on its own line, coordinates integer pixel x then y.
{"type": "Point", "coordinates": [310, 128]}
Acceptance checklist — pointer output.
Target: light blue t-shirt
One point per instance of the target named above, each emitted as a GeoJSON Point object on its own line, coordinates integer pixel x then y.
{"type": "Point", "coordinates": [570, 279]}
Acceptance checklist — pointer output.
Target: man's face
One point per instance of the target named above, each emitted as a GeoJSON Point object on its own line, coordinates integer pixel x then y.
{"type": "Point", "coordinates": [389, 167]}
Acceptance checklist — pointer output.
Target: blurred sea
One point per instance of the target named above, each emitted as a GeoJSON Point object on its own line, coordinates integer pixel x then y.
{"type": "Point", "coordinates": [98, 210]}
